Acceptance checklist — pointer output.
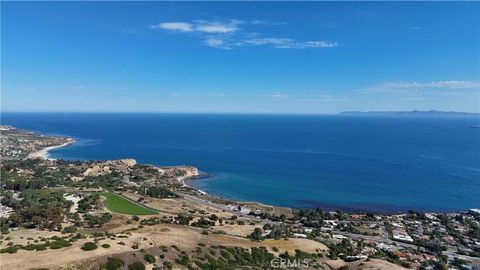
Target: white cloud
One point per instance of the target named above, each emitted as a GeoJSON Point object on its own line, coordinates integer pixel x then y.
{"type": "Point", "coordinates": [279, 96]}
{"type": "Point", "coordinates": [276, 42]}
{"type": "Point", "coordinates": [214, 42]}
{"type": "Point", "coordinates": [216, 27]}
{"type": "Point", "coordinates": [174, 26]}
{"type": "Point", "coordinates": [217, 94]}
{"type": "Point", "coordinates": [285, 43]}
{"type": "Point", "coordinates": [415, 86]}
{"type": "Point", "coordinates": [315, 44]}
{"type": "Point", "coordinates": [264, 22]}
{"type": "Point", "coordinates": [227, 35]}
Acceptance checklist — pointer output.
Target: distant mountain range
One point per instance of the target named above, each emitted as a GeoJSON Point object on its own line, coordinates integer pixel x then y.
{"type": "Point", "coordinates": [431, 113]}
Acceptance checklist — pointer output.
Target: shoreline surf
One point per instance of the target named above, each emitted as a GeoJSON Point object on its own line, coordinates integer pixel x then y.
{"type": "Point", "coordinates": [44, 152]}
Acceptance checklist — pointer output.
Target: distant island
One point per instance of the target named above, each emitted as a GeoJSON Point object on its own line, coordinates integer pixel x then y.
{"type": "Point", "coordinates": [431, 113]}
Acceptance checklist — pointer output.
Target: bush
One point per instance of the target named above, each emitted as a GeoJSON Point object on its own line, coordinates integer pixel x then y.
{"type": "Point", "coordinates": [89, 246]}
{"type": "Point", "coordinates": [167, 265]}
{"type": "Point", "coordinates": [56, 246]}
{"type": "Point", "coordinates": [12, 249]}
{"type": "Point", "coordinates": [69, 229]}
{"type": "Point", "coordinates": [114, 264]}
{"type": "Point", "coordinates": [60, 243]}
{"type": "Point", "coordinates": [149, 258]}
{"type": "Point", "coordinates": [105, 245]}
{"type": "Point", "coordinates": [136, 266]}
{"type": "Point", "coordinates": [225, 254]}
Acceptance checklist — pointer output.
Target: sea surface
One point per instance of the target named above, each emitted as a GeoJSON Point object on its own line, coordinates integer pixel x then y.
{"type": "Point", "coordinates": [377, 164]}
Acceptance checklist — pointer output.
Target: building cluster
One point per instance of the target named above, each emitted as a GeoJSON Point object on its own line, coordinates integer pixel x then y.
{"type": "Point", "coordinates": [19, 144]}
{"type": "Point", "coordinates": [399, 232]}
{"type": "Point", "coordinates": [5, 211]}
{"type": "Point", "coordinates": [414, 240]}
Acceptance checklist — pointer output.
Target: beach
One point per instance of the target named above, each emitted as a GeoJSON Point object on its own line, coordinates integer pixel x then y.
{"type": "Point", "coordinates": [43, 153]}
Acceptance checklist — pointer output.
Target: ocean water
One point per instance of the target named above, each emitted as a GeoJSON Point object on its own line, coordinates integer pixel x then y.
{"type": "Point", "coordinates": [378, 164]}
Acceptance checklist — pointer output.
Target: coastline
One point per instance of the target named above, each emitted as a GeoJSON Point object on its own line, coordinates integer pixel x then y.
{"type": "Point", "coordinates": [201, 175]}
{"type": "Point", "coordinates": [43, 153]}
{"type": "Point", "coordinates": [183, 180]}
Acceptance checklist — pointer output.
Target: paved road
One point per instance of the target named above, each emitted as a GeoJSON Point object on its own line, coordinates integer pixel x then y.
{"type": "Point", "coordinates": [224, 208]}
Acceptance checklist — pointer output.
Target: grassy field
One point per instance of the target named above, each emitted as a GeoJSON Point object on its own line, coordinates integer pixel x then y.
{"type": "Point", "coordinates": [118, 204]}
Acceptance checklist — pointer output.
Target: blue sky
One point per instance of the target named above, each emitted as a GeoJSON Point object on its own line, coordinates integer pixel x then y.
{"type": "Point", "coordinates": [251, 57]}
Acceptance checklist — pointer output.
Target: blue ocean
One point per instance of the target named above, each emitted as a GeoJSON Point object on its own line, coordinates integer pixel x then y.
{"type": "Point", "coordinates": [378, 164]}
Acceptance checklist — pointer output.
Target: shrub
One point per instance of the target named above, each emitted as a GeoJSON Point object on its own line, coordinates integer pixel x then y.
{"type": "Point", "coordinates": [225, 254]}
{"type": "Point", "coordinates": [59, 243]}
{"type": "Point", "coordinates": [105, 245]}
{"type": "Point", "coordinates": [56, 246]}
{"type": "Point", "coordinates": [136, 266]}
{"type": "Point", "coordinates": [12, 249]}
{"type": "Point", "coordinates": [149, 258]}
{"type": "Point", "coordinates": [167, 265]}
{"type": "Point", "coordinates": [114, 264]}
{"type": "Point", "coordinates": [89, 246]}
{"type": "Point", "coordinates": [69, 229]}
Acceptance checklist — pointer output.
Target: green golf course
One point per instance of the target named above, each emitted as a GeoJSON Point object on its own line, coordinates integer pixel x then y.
{"type": "Point", "coordinates": [118, 204]}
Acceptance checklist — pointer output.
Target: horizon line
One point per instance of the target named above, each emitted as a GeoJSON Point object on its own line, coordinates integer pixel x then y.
{"type": "Point", "coordinates": [232, 113]}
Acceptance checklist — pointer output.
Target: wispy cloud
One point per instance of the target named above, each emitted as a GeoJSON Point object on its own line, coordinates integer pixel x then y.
{"type": "Point", "coordinates": [285, 43]}
{"type": "Point", "coordinates": [196, 93]}
{"type": "Point", "coordinates": [217, 27]}
{"type": "Point", "coordinates": [265, 22]}
{"type": "Point", "coordinates": [227, 34]}
{"type": "Point", "coordinates": [174, 26]}
{"type": "Point", "coordinates": [216, 42]}
{"type": "Point", "coordinates": [401, 86]}
{"type": "Point", "coordinates": [211, 27]}
{"type": "Point", "coordinates": [279, 96]}
{"type": "Point", "coordinates": [216, 94]}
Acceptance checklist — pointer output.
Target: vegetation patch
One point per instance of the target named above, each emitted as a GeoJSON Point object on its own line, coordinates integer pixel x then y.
{"type": "Point", "coordinates": [114, 264]}
{"type": "Point", "coordinates": [136, 266]}
{"type": "Point", "coordinates": [118, 204]}
{"type": "Point", "coordinates": [149, 258]}
{"type": "Point", "coordinates": [89, 246]}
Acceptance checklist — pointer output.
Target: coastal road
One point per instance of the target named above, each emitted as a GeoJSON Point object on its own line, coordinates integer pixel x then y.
{"type": "Point", "coordinates": [223, 208]}
{"type": "Point", "coordinates": [208, 203]}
